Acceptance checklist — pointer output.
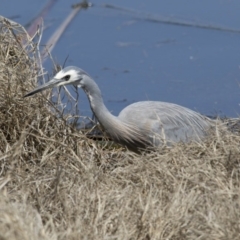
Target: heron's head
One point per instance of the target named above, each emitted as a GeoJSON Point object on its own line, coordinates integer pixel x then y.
{"type": "Point", "coordinates": [67, 76]}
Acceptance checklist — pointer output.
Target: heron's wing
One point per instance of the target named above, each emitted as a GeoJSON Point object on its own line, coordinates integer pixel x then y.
{"type": "Point", "coordinates": [166, 121]}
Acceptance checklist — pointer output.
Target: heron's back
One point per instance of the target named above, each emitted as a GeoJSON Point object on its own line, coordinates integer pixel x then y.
{"type": "Point", "coordinates": [165, 122]}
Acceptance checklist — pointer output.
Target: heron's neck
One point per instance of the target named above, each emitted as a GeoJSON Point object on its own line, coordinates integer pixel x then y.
{"type": "Point", "coordinates": [118, 130]}
{"type": "Point", "coordinates": [105, 118]}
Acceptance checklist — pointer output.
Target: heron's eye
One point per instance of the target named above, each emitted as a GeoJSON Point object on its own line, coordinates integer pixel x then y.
{"type": "Point", "coordinates": [67, 77]}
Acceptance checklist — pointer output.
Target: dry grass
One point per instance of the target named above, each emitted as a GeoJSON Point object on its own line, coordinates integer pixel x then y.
{"type": "Point", "coordinates": [57, 184]}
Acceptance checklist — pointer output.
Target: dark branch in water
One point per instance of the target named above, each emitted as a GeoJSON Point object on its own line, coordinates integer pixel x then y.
{"type": "Point", "coordinates": [84, 4]}
{"type": "Point", "coordinates": [167, 20]}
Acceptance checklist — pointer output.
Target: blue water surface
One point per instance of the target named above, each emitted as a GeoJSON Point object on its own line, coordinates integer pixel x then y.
{"type": "Point", "coordinates": [133, 58]}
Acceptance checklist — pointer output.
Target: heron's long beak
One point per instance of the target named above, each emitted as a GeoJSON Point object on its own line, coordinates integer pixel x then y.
{"type": "Point", "coordinates": [52, 83]}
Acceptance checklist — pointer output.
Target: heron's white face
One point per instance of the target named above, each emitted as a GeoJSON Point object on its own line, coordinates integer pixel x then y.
{"type": "Point", "coordinates": [71, 76]}
{"type": "Point", "coordinates": [67, 76]}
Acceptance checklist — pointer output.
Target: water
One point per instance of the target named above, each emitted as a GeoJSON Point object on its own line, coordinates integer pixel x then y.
{"type": "Point", "coordinates": [134, 59]}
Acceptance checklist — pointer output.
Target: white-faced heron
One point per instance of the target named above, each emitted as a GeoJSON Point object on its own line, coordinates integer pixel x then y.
{"type": "Point", "coordinates": [141, 124]}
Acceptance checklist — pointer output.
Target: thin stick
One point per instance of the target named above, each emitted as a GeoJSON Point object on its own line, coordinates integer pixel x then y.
{"type": "Point", "coordinates": [33, 27]}
{"type": "Point", "coordinates": [58, 33]}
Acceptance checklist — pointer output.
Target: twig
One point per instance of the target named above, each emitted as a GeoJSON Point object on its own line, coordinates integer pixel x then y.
{"type": "Point", "coordinates": [33, 27]}
{"type": "Point", "coordinates": [58, 33]}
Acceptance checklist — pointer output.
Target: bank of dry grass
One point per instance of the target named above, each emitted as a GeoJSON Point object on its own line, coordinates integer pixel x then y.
{"type": "Point", "coordinates": [55, 183]}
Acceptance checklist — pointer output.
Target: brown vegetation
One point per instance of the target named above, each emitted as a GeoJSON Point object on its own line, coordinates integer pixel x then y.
{"type": "Point", "coordinates": [55, 183]}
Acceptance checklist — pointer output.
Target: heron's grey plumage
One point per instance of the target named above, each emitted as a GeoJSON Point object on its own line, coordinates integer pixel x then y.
{"type": "Point", "coordinates": [139, 125]}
